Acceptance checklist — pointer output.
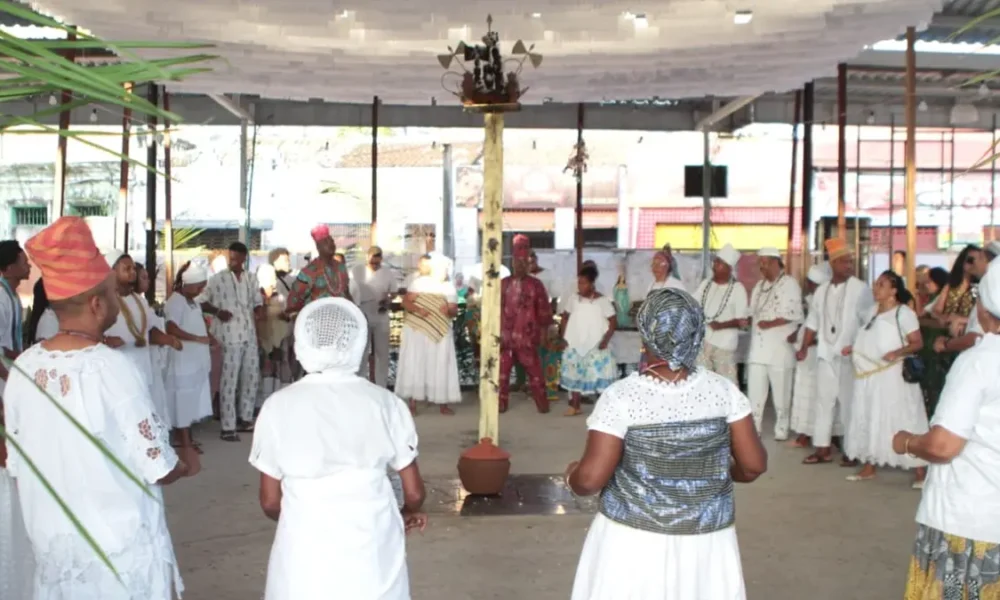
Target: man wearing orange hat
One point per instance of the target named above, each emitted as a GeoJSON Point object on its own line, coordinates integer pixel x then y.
{"type": "Point", "coordinates": [524, 320]}
{"type": "Point", "coordinates": [323, 277]}
{"type": "Point", "coordinates": [74, 372]}
{"type": "Point", "coordinates": [833, 324]}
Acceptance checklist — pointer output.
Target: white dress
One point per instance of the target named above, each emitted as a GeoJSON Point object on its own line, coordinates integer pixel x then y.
{"type": "Point", "coordinates": [883, 402]}
{"type": "Point", "coordinates": [619, 562]}
{"type": "Point", "coordinates": [329, 439]}
{"type": "Point", "coordinates": [428, 370]}
{"type": "Point", "coordinates": [48, 326]}
{"type": "Point", "coordinates": [586, 368]}
{"type": "Point", "coordinates": [142, 356]}
{"type": "Point", "coordinates": [804, 388]}
{"type": "Point", "coordinates": [17, 564]}
{"type": "Point", "coordinates": [189, 369]}
{"type": "Point", "coordinates": [126, 522]}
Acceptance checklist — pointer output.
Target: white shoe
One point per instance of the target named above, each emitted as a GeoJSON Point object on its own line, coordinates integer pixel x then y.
{"type": "Point", "coordinates": [918, 485]}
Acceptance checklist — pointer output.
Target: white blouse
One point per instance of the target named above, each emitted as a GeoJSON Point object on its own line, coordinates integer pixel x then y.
{"type": "Point", "coordinates": [962, 497]}
{"type": "Point", "coordinates": [722, 303]}
{"type": "Point", "coordinates": [839, 310]}
{"type": "Point", "coordinates": [588, 321]}
{"type": "Point", "coordinates": [48, 326]}
{"type": "Point", "coordinates": [125, 521]}
{"type": "Point", "coordinates": [769, 301]}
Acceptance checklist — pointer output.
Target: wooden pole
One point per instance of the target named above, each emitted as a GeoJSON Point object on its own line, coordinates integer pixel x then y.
{"type": "Point", "coordinates": [911, 158]}
{"type": "Point", "coordinates": [489, 349]}
{"type": "Point", "coordinates": [168, 207]}
{"type": "Point", "coordinates": [993, 181]}
{"type": "Point", "coordinates": [857, 202]}
{"type": "Point", "coordinates": [65, 98]}
{"type": "Point", "coordinates": [808, 114]}
{"type": "Point", "coordinates": [892, 187]}
{"type": "Point", "coordinates": [706, 202]}
{"type": "Point", "coordinates": [842, 151]}
{"type": "Point", "coordinates": [579, 190]}
{"type": "Point", "coordinates": [153, 95]}
{"type": "Point", "coordinates": [951, 193]}
{"type": "Point", "coordinates": [796, 118]}
{"type": "Point", "coordinates": [374, 228]}
{"type": "Point", "coordinates": [123, 176]}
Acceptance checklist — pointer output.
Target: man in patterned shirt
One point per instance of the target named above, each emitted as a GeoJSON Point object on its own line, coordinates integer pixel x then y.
{"type": "Point", "coordinates": [323, 277]}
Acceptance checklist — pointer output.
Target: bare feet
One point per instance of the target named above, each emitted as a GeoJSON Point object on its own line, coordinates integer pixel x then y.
{"type": "Point", "coordinates": [445, 410]}
{"type": "Point", "coordinates": [413, 407]}
{"type": "Point", "coordinates": [572, 411]}
{"type": "Point", "coordinates": [866, 473]}
{"type": "Point", "coordinates": [802, 441]}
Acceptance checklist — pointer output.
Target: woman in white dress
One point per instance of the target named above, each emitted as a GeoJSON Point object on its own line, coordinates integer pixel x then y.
{"type": "Point", "coordinates": [428, 366]}
{"type": "Point", "coordinates": [804, 388]}
{"type": "Point", "coordinates": [43, 323]}
{"type": "Point", "coordinates": [883, 402]}
{"type": "Point", "coordinates": [160, 353]}
{"type": "Point", "coordinates": [322, 446]}
{"type": "Point", "coordinates": [587, 324]}
{"type": "Point", "coordinates": [663, 451]}
{"type": "Point", "coordinates": [189, 369]}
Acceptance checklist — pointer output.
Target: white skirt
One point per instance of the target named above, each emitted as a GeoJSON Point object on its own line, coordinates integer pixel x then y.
{"type": "Point", "coordinates": [427, 370]}
{"type": "Point", "coordinates": [17, 563]}
{"type": "Point", "coordinates": [804, 396]}
{"type": "Point", "coordinates": [622, 563]}
{"type": "Point", "coordinates": [883, 405]}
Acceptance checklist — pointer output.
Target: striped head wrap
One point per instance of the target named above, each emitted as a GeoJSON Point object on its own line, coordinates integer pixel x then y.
{"type": "Point", "coordinates": [69, 260]}
{"type": "Point", "coordinates": [672, 325]}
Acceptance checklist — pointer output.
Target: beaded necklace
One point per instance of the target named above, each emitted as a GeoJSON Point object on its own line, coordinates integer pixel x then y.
{"type": "Point", "coordinates": [830, 332]}
{"type": "Point", "coordinates": [722, 305]}
{"type": "Point", "coordinates": [765, 294]}
{"type": "Point", "coordinates": [139, 333]}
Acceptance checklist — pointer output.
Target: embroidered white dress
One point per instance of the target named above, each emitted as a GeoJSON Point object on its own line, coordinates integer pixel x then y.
{"type": "Point", "coordinates": [126, 522]}
{"type": "Point", "coordinates": [883, 403]}
{"type": "Point", "coordinates": [804, 389]}
{"type": "Point", "coordinates": [190, 367]}
{"type": "Point", "coordinates": [141, 356]}
{"type": "Point", "coordinates": [428, 370]}
{"type": "Point", "coordinates": [329, 439]}
{"type": "Point", "coordinates": [619, 562]}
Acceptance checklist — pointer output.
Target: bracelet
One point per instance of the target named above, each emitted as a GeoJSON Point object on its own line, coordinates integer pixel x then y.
{"type": "Point", "coordinates": [906, 447]}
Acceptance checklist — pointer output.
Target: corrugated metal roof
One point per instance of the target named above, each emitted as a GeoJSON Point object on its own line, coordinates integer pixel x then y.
{"type": "Point", "coordinates": [9, 20]}
{"type": "Point", "coordinates": [965, 9]}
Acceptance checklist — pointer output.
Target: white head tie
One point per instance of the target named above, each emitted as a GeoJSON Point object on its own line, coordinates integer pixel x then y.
{"type": "Point", "coordinates": [330, 335]}
{"type": "Point", "coordinates": [194, 274]}
{"type": "Point", "coordinates": [989, 288]}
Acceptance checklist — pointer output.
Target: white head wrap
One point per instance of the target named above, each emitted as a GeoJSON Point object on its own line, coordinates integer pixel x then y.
{"type": "Point", "coordinates": [819, 274]}
{"type": "Point", "coordinates": [194, 274]}
{"type": "Point", "coordinates": [769, 252]}
{"type": "Point", "coordinates": [267, 276]}
{"type": "Point", "coordinates": [993, 247]}
{"type": "Point", "coordinates": [729, 255]}
{"type": "Point", "coordinates": [112, 256]}
{"type": "Point", "coordinates": [330, 335]}
{"type": "Point", "coordinates": [989, 288]}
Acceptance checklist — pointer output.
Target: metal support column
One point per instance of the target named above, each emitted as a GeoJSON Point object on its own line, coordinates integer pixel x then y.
{"type": "Point", "coordinates": [706, 199]}
{"type": "Point", "coordinates": [447, 203]}
{"type": "Point", "coordinates": [374, 228]}
{"type": "Point", "coordinates": [842, 151]}
{"type": "Point", "coordinates": [153, 95]}
{"type": "Point", "coordinates": [579, 190]}
{"type": "Point", "coordinates": [808, 114]}
{"type": "Point", "coordinates": [168, 208]}
{"type": "Point", "coordinates": [796, 118]}
{"type": "Point", "coordinates": [911, 158]}
{"type": "Point", "coordinates": [121, 212]}
{"type": "Point", "coordinates": [59, 191]}
{"type": "Point", "coordinates": [993, 181]}
{"type": "Point", "coordinates": [244, 177]}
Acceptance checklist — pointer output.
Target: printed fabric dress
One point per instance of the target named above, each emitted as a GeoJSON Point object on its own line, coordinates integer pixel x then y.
{"type": "Point", "coordinates": [665, 530]}
{"type": "Point", "coordinates": [428, 367]}
{"type": "Point", "coordinates": [586, 368]}
{"type": "Point", "coordinates": [883, 403]}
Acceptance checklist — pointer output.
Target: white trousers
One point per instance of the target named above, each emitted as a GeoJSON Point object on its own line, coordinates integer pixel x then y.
{"type": "Point", "coordinates": [777, 380]}
{"type": "Point", "coordinates": [238, 388]}
{"type": "Point", "coordinates": [834, 393]}
{"type": "Point", "coordinates": [378, 330]}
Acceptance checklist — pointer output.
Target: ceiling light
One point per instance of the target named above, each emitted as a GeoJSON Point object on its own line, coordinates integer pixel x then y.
{"type": "Point", "coordinates": [743, 17]}
{"type": "Point", "coordinates": [871, 117]}
{"type": "Point", "coordinates": [922, 107]}
{"type": "Point", "coordinates": [536, 15]}
{"type": "Point", "coordinates": [93, 116]}
{"type": "Point", "coordinates": [641, 22]}
{"type": "Point", "coordinates": [984, 90]}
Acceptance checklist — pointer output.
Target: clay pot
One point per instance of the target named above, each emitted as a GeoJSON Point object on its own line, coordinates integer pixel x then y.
{"type": "Point", "coordinates": [483, 468]}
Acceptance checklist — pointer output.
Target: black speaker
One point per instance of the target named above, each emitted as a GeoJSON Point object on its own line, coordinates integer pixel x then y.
{"type": "Point", "coordinates": [694, 181]}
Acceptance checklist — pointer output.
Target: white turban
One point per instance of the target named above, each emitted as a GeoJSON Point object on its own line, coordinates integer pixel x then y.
{"type": "Point", "coordinates": [769, 252]}
{"type": "Point", "coordinates": [194, 274]}
{"type": "Point", "coordinates": [819, 274]}
{"type": "Point", "coordinates": [267, 276]}
{"type": "Point", "coordinates": [112, 256]}
{"type": "Point", "coordinates": [989, 288]}
{"type": "Point", "coordinates": [331, 335]}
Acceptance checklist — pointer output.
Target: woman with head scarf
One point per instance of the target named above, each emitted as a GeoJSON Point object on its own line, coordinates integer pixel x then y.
{"type": "Point", "coordinates": [664, 448]}
{"type": "Point", "coordinates": [322, 446]}
{"type": "Point", "coordinates": [189, 369]}
{"type": "Point", "coordinates": [957, 551]}
{"type": "Point", "coordinates": [883, 401]}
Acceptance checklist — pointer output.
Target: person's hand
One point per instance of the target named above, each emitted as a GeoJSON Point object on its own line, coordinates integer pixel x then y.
{"type": "Point", "coordinates": [603, 345]}
{"type": "Point", "coordinates": [957, 326]}
{"type": "Point", "coordinates": [846, 351]}
{"type": "Point", "coordinates": [939, 344]}
{"type": "Point", "coordinates": [743, 322]}
{"type": "Point", "coordinates": [284, 316]}
{"type": "Point", "coordinates": [446, 311]}
{"type": "Point", "coordinates": [176, 344]}
{"type": "Point", "coordinates": [891, 356]}
{"type": "Point", "coordinates": [414, 521]}
{"type": "Point", "coordinates": [801, 354]}
{"type": "Point", "coordinates": [569, 470]}
{"type": "Point", "coordinates": [765, 325]}
{"type": "Point", "coordinates": [714, 326]}
{"type": "Point", "coordinates": [423, 312]}
{"type": "Point", "coordinates": [900, 440]}
{"type": "Point", "coordinates": [224, 315]}
{"type": "Point", "coordinates": [3, 455]}
{"type": "Point", "coordinates": [791, 337]}
{"type": "Point", "coordinates": [113, 341]}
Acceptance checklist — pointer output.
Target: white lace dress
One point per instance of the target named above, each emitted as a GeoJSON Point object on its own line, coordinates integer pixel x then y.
{"type": "Point", "coordinates": [804, 388]}
{"type": "Point", "coordinates": [17, 565]}
{"type": "Point", "coordinates": [883, 403]}
{"type": "Point", "coordinates": [619, 562]}
{"type": "Point", "coordinates": [126, 522]}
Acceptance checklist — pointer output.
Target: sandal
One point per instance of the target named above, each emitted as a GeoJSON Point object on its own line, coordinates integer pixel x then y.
{"type": "Point", "coordinates": [229, 436]}
{"type": "Point", "coordinates": [859, 477]}
{"type": "Point", "coordinates": [848, 463]}
{"type": "Point", "coordinates": [445, 410]}
{"type": "Point", "coordinates": [572, 412]}
{"type": "Point", "coordinates": [817, 459]}
{"type": "Point", "coordinates": [244, 427]}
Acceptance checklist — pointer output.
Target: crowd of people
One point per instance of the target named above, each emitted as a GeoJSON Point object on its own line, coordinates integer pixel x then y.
{"type": "Point", "coordinates": [101, 391]}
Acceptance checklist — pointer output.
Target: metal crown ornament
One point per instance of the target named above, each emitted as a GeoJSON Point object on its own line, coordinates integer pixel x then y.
{"type": "Point", "coordinates": [493, 83]}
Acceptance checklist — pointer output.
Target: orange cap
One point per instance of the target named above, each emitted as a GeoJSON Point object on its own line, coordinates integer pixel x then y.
{"type": "Point", "coordinates": [835, 248]}
{"type": "Point", "coordinates": [69, 260]}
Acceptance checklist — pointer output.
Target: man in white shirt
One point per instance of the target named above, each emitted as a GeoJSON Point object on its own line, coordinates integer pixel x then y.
{"type": "Point", "coordinates": [14, 269]}
{"type": "Point", "coordinates": [102, 389]}
{"type": "Point", "coordinates": [839, 305]}
{"type": "Point", "coordinates": [375, 285]}
{"type": "Point", "coordinates": [724, 301]}
{"type": "Point", "coordinates": [776, 311]}
{"type": "Point", "coordinates": [233, 297]}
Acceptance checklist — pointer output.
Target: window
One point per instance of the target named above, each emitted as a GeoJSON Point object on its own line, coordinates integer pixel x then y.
{"type": "Point", "coordinates": [88, 210]}
{"type": "Point", "coordinates": [216, 239]}
{"type": "Point", "coordinates": [30, 216]}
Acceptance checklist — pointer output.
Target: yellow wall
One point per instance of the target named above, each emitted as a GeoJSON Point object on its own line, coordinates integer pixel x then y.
{"type": "Point", "coordinates": [742, 237]}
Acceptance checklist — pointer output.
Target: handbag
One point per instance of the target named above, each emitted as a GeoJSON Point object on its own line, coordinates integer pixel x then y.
{"type": "Point", "coordinates": [913, 366]}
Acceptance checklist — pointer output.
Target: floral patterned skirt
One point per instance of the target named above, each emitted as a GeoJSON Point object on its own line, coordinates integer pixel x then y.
{"type": "Point", "coordinates": [589, 373]}
{"type": "Point", "coordinates": [948, 567]}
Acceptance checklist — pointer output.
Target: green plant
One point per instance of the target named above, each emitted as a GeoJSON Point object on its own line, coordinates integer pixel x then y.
{"type": "Point", "coordinates": [39, 68]}
{"type": "Point", "coordinates": [183, 238]}
{"type": "Point", "coordinates": [332, 187]}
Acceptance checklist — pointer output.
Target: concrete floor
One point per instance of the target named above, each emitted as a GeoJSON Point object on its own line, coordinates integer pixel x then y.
{"type": "Point", "coordinates": [805, 532]}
